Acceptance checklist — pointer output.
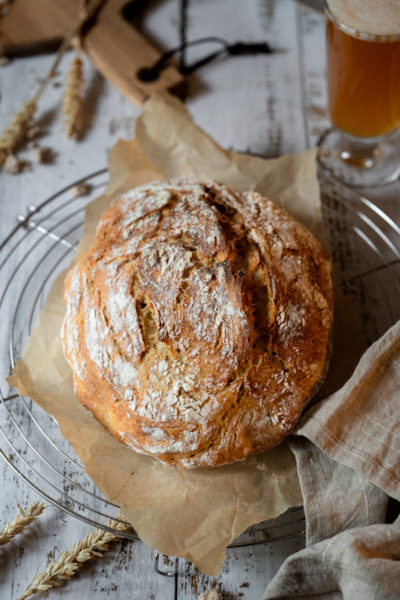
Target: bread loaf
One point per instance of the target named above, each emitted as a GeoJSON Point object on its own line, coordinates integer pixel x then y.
{"type": "Point", "coordinates": [198, 325]}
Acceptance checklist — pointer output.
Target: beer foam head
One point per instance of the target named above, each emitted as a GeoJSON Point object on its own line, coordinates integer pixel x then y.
{"type": "Point", "coordinates": [374, 17]}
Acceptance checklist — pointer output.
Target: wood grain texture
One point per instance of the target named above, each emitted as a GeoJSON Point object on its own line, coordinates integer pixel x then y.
{"type": "Point", "coordinates": [119, 51]}
{"type": "Point", "coordinates": [266, 105]}
{"type": "Point", "coordinates": [250, 103]}
{"type": "Point", "coordinates": [114, 46]}
{"type": "Point", "coordinates": [311, 38]}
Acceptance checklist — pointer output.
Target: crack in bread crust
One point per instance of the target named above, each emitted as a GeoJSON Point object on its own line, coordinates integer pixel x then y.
{"type": "Point", "coordinates": [198, 324]}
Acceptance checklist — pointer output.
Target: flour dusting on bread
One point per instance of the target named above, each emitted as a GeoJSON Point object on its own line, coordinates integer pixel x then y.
{"type": "Point", "coordinates": [198, 324]}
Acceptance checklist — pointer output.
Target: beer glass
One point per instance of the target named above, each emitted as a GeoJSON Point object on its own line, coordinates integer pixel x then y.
{"type": "Point", "coordinates": [363, 74]}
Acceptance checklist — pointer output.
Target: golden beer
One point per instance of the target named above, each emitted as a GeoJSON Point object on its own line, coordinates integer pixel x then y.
{"type": "Point", "coordinates": [363, 73]}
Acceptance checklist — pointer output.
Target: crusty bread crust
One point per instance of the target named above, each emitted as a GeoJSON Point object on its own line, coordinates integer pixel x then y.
{"type": "Point", "coordinates": [199, 323]}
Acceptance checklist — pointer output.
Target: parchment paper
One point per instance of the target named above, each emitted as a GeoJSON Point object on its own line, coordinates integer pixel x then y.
{"type": "Point", "coordinates": [193, 514]}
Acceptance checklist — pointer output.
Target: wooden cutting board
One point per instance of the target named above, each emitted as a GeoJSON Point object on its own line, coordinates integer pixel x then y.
{"type": "Point", "coordinates": [113, 45]}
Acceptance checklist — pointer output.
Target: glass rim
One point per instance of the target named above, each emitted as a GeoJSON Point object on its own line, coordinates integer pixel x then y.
{"type": "Point", "coordinates": [367, 37]}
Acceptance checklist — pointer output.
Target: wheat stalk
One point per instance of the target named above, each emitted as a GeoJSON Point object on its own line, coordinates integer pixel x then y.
{"type": "Point", "coordinates": [15, 132]}
{"type": "Point", "coordinates": [71, 561]}
{"type": "Point", "coordinates": [25, 518]}
{"type": "Point", "coordinates": [72, 104]}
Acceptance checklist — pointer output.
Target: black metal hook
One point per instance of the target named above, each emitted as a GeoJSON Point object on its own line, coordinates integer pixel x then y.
{"type": "Point", "coordinates": [151, 73]}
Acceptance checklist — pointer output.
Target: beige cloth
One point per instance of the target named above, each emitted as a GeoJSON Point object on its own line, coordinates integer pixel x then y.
{"type": "Point", "coordinates": [348, 466]}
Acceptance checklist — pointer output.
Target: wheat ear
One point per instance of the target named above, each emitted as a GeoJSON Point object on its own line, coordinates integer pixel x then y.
{"type": "Point", "coordinates": [25, 518]}
{"type": "Point", "coordinates": [15, 133]}
{"type": "Point", "coordinates": [72, 104]}
{"type": "Point", "coordinates": [71, 561]}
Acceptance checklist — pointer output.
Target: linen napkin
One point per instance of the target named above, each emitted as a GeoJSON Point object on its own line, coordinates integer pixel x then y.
{"type": "Point", "coordinates": [347, 449]}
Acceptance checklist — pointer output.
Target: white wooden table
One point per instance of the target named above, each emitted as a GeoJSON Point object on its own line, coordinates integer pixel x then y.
{"type": "Point", "coordinates": [268, 105]}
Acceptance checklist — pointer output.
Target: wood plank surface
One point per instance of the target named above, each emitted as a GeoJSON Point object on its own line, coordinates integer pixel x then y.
{"type": "Point", "coordinates": [267, 105]}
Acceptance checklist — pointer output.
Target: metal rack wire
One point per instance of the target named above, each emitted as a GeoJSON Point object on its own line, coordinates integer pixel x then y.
{"type": "Point", "coordinates": [366, 252]}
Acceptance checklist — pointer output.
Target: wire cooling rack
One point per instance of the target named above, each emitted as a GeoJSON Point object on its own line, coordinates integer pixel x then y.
{"type": "Point", "coordinates": [366, 252]}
